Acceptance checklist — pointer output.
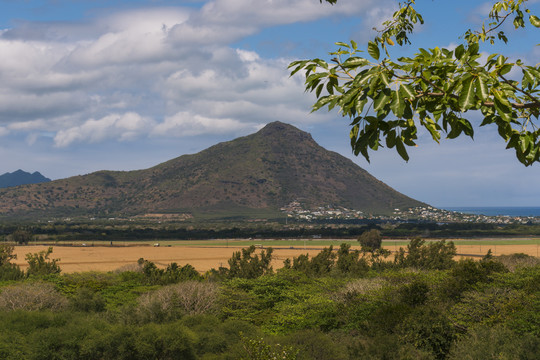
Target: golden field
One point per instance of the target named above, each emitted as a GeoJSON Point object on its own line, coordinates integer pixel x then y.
{"type": "Point", "coordinates": [203, 258]}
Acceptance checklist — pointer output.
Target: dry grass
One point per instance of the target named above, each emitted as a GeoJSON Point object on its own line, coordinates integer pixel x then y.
{"type": "Point", "coordinates": [203, 258]}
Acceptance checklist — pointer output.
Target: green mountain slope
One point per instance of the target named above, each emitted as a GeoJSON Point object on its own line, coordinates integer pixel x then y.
{"type": "Point", "coordinates": [257, 173]}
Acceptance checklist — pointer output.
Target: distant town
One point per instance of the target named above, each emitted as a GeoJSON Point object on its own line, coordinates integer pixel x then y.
{"type": "Point", "coordinates": [296, 210]}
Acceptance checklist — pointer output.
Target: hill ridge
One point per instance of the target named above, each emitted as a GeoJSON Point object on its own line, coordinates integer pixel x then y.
{"type": "Point", "coordinates": [20, 177]}
{"type": "Point", "coordinates": [261, 172]}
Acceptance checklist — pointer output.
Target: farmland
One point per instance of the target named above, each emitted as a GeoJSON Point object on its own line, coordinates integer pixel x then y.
{"type": "Point", "coordinates": [205, 255]}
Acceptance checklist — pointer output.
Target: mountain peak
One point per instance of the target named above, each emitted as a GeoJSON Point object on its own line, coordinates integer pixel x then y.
{"type": "Point", "coordinates": [283, 130]}
{"type": "Point", "coordinates": [255, 174]}
{"type": "Point", "coordinates": [20, 177]}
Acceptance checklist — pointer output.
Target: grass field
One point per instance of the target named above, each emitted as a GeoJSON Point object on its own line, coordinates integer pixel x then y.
{"type": "Point", "coordinates": [204, 255]}
{"type": "Point", "coordinates": [299, 242]}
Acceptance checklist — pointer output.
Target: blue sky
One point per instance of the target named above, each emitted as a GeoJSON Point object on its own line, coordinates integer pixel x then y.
{"type": "Point", "coordinates": [122, 85]}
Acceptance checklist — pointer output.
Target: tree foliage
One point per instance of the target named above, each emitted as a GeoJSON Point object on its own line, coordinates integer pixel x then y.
{"type": "Point", "coordinates": [40, 264]}
{"type": "Point", "coordinates": [370, 240]}
{"type": "Point", "coordinates": [247, 264]}
{"type": "Point", "coordinates": [6, 254]}
{"type": "Point", "coordinates": [435, 255]}
{"type": "Point", "coordinates": [21, 236]}
{"type": "Point", "coordinates": [437, 89]}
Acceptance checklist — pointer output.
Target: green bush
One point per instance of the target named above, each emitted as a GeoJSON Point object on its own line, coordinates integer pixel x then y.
{"type": "Point", "coordinates": [87, 300]}
{"type": "Point", "coordinates": [9, 271]}
{"type": "Point", "coordinates": [39, 263]}
{"type": "Point", "coordinates": [489, 306]}
{"type": "Point", "coordinates": [494, 343]}
{"type": "Point", "coordinates": [437, 255]}
{"type": "Point", "coordinates": [247, 264]}
{"type": "Point", "coordinates": [313, 344]}
{"type": "Point", "coordinates": [370, 240]}
{"type": "Point", "coordinates": [427, 329]}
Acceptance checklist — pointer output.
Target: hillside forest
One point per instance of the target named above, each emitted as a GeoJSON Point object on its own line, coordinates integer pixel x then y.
{"type": "Point", "coordinates": [364, 304]}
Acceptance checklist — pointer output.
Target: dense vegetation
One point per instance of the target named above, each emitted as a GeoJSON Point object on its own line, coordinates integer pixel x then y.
{"type": "Point", "coordinates": [124, 230]}
{"type": "Point", "coordinates": [337, 305]}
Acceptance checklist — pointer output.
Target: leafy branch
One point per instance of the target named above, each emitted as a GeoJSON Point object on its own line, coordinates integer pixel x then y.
{"type": "Point", "coordinates": [436, 89]}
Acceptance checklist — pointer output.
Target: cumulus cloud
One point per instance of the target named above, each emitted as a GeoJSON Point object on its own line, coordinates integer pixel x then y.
{"type": "Point", "coordinates": [120, 126]}
{"type": "Point", "coordinates": [135, 72]}
{"type": "Point", "coordinates": [188, 124]}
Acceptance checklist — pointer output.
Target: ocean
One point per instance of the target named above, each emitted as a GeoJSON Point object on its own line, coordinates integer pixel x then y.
{"type": "Point", "coordinates": [499, 210]}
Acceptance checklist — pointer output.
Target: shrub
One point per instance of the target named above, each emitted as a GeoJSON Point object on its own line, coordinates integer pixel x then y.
{"type": "Point", "coordinates": [171, 275]}
{"type": "Point", "coordinates": [466, 274]}
{"type": "Point", "coordinates": [495, 342]}
{"type": "Point", "coordinates": [149, 341]}
{"type": "Point", "coordinates": [435, 255]}
{"type": "Point", "coordinates": [315, 345]}
{"type": "Point", "coordinates": [321, 264]}
{"type": "Point", "coordinates": [33, 296]}
{"type": "Point", "coordinates": [247, 264]}
{"type": "Point", "coordinates": [8, 271]}
{"type": "Point", "coordinates": [87, 300]}
{"type": "Point", "coordinates": [6, 254]}
{"type": "Point", "coordinates": [415, 293]}
{"type": "Point", "coordinates": [428, 329]}
{"type": "Point", "coordinates": [258, 349]}
{"type": "Point", "coordinates": [190, 297]}
{"type": "Point", "coordinates": [353, 289]}
{"type": "Point", "coordinates": [490, 306]}
{"type": "Point", "coordinates": [21, 236]}
{"type": "Point", "coordinates": [349, 262]}
{"type": "Point", "coordinates": [514, 261]}
{"type": "Point", "coordinates": [39, 263]}
{"type": "Point", "coordinates": [370, 240]}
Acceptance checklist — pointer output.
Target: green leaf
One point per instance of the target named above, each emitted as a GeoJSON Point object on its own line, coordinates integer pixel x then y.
{"type": "Point", "coordinates": [384, 79]}
{"type": "Point", "coordinates": [505, 69]}
{"type": "Point", "coordinates": [354, 62]}
{"type": "Point", "coordinates": [460, 50]}
{"type": "Point", "coordinates": [473, 49]}
{"type": "Point", "coordinates": [482, 91]}
{"type": "Point", "coordinates": [534, 20]}
{"type": "Point", "coordinates": [528, 79]}
{"type": "Point", "coordinates": [381, 100]}
{"type": "Point", "coordinates": [373, 50]}
{"type": "Point", "coordinates": [467, 97]}
{"type": "Point", "coordinates": [391, 139]}
{"type": "Point", "coordinates": [322, 102]}
{"type": "Point", "coordinates": [407, 91]}
{"type": "Point", "coordinates": [398, 104]}
{"type": "Point", "coordinates": [524, 143]}
{"type": "Point", "coordinates": [401, 149]}
{"type": "Point", "coordinates": [433, 129]}
{"type": "Point", "coordinates": [502, 105]}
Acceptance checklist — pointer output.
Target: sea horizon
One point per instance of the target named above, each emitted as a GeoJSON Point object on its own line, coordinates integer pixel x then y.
{"type": "Point", "coordinates": [497, 210]}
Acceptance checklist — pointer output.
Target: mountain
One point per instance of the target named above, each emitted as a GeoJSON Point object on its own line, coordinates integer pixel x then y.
{"type": "Point", "coordinates": [20, 177]}
{"type": "Point", "coordinates": [251, 175]}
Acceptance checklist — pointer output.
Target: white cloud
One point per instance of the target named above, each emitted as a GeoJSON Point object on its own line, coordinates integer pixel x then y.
{"type": "Point", "coordinates": [187, 124]}
{"type": "Point", "coordinates": [126, 126]}
{"type": "Point", "coordinates": [150, 62]}
{"type": "Point", "coordinates": [28, 125]}
{"type": "Point", "coordinates": [3, 131]}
